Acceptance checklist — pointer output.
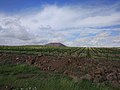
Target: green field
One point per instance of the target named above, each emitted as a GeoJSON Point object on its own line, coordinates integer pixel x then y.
{"type": "Point", "coordinates": [28, 77]}
{"type": "Point", "coordinates": [85, 52]}
{"type": "Point", "coordinates": [25, 77]}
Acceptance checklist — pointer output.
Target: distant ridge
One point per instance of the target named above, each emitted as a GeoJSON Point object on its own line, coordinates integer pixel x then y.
{"type": "Point", "coordinates": [55, 44]}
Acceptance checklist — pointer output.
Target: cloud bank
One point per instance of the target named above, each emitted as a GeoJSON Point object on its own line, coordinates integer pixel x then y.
{"type": "Point", "coordinates": [72, 26]}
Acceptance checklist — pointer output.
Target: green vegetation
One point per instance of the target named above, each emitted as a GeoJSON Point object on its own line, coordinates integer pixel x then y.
{"type": "Point", "coordinates": [82, 52]}
{"type": "Point", "coordinates": [25, 77]}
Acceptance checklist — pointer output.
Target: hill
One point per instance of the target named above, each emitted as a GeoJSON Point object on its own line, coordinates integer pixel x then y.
{"type": "Point", "coordinates": [55, 44]}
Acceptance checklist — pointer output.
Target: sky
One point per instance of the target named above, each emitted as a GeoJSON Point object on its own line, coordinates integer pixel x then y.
{"type": "Point", "coordinates": [71, 22]}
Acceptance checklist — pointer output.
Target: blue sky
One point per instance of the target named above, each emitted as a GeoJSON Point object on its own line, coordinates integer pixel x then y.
{"type": "Point", "coordinates": [16, 5]}
{"type": "Point", "coordinates": [71, 22]}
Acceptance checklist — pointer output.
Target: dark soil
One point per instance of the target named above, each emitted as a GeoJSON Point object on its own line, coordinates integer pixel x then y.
{"type": "Point", "coordinates": [97, 71]}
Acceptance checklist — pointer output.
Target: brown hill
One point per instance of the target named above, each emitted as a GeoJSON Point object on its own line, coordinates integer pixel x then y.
{"type": "Point", "coordinates": [55, 44]}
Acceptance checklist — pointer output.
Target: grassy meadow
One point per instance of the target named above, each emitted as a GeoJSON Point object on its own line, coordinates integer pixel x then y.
{"type": "Point", "coordinates": [27, 77]}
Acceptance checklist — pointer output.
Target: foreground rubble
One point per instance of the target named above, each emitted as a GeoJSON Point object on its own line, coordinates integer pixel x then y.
{"type": "Point", "coordinates": [97, 71]}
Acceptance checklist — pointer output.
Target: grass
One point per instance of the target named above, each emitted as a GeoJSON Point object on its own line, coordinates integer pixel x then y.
{"type": "Point", "coordinates": [86, 52]}
{"type": "Point", "coordinates": [25, 77]}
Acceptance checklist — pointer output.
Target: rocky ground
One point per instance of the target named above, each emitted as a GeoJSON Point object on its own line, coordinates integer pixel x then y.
{"type": "Point", "coordinates": [97, 71]}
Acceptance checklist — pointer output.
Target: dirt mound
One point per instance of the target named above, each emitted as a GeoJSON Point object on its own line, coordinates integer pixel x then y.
{"type": "Point", "coordinates": [97, 71]}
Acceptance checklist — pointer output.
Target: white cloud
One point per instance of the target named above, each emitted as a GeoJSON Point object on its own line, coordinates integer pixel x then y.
{"type": "Point", "coordinates": [103, 39]}
{"type": "Point", "coordinates": [108, 20]}
{"type": "Point", "coordinates": [116, 41]}
{"type": "Point", "coordinates": [65, 17]}
{"type": "Point", "coordinates": [61, 24]}
{"type": "Point", "coordinates": [11, 27]}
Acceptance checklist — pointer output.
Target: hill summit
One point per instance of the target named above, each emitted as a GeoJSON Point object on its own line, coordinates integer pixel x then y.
{"type": "Point", "coordinates": [56, 44]}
